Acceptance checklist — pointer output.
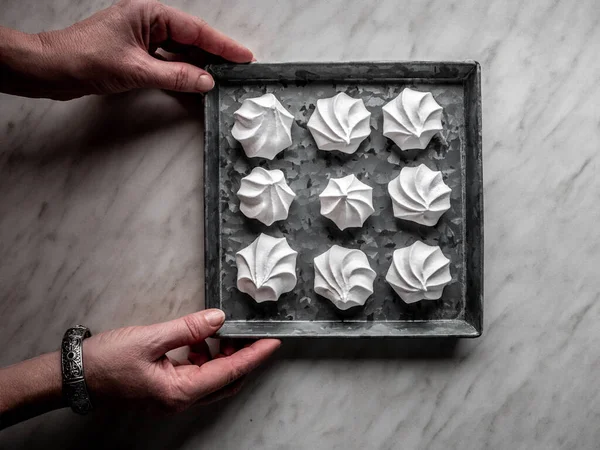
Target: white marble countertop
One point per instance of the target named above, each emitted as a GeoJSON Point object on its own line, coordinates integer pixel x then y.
{"type": "Point", "coordinates": [101, 219]}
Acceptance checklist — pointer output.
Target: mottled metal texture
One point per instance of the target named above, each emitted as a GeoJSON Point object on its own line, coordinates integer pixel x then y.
{"type": "Point", "coordinates": [456, 152]}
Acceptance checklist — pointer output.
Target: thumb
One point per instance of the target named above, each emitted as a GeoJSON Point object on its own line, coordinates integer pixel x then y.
{"type": "Point", "coordinates": [186, 330]}
{"type": "Point", "coordinates": [176, 76]}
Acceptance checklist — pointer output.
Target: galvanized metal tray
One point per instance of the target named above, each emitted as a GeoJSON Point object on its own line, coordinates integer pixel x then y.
{"type": "Point", "coordinates": [456, 152]}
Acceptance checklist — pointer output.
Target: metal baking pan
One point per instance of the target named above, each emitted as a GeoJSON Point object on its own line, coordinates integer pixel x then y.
{"type": "Point", "coordinates": [456, 152]}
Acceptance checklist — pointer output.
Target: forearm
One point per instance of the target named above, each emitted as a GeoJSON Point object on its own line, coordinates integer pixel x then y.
{"type": "Point", "coordinates": [30, 388]}
{"type": "Point", "coordinates": [20, 56]}
{"type": "Point", "coordinates": [37, 65]}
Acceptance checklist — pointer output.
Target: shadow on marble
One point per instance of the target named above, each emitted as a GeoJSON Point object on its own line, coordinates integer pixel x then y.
{"type": "Point", "coordinates": [426, 348]}
{"type": "Point", "coordinates": [120, 429]}
{"type": "Point", "coordinates": [104, 124]}
{"type": "Point", "coordinates": [131, 429]}
{"type": "Point", "coordinates": [129, 116]}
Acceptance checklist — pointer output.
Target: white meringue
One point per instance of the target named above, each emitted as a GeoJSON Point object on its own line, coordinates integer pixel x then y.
{"type": "Point", "coordinates": [264, 195]}
{"type": "Point", "coordinates": [340, 123]}
{"type": "Point", "coordinates": [266, 268]}
{"type": "Point", "coordinates": [419, 272]}
{"type": "Point", "coordinates": [347, 201]}
{"type": "Point", "coordinates": [263, 126]}
{"type": "Point", "coordinates": [412, 119]}
{"type": "Point", "coordinates": [419, 194]}
{"type": "Point", "coordinates": [344, 276]}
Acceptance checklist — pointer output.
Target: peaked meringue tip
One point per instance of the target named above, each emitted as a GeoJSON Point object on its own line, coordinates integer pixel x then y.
{"type": "Point", "coordinates": [419, 272]}
{"type": "Point", "coordinates": [266, 268]}
{"type": "Point", "coordinates": [340, 123]}
{"type": "Point", "coordinates": [420, 195]}
{"type": "Point", "coordinates": [344, 276]}
{"type": "Point", "coordinates": [265, 195]}
{"type": "Point", "coordinates": [263, 127]}
{"type": "Point", "coordinates": [347, 201]}
{"type": "Point", "coordinates": [412, 119]}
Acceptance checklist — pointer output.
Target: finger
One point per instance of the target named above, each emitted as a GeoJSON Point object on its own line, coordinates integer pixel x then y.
{"type": "Point", "coordinates": [218, 373]}
{"type": "Point", "coordinates": [177, 76]}
{"type": "Point", "coordinates": [190, 30]}
{"type": "Point", "coordinates": [226, 392]}
{"type": "Point", "coordinates": [187, 330]}
{"type": "Point", "coordinates": [192, 55]}
{"type": "Point", "coordinates": [199, 353]}
{"type": "Point", "coordinates": [230, 346]}
{"type": "Point", "coordinates": [172, 46]}
{"type": "Point", "coordinates": [227, 347]}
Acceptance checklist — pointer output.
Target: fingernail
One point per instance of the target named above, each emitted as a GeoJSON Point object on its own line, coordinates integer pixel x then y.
{"type": "Point", "coordinates": [254, 60]}
{"type": "Point", "coordinates": [205, 83]}
{"type": "Point", "coordinates": [215, 317]}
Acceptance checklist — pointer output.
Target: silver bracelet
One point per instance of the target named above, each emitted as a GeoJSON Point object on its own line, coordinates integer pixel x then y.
{"type": "Point", "coordinates": [73, 381]}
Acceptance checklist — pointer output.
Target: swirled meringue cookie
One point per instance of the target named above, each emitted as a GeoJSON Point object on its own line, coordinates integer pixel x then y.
{"type": "Point", "coordinates": [340, 123]}
{"type": "Point", "coordinates": [263, 126]}
{"type": "Point", "coordinates": [344, 276]}
{"type": "Point", "coordinates": [264, 195]}
{"type": "Point", "coordinates": [412, 119]}
{"type": "Point", "coordinates": [419, 272]}
{"type": "Point", "coordinates": [266, 268]}
{"type": "Point", "coordinates": [347, 201]}
{"type": "Point", "coordinates": [419, 194]}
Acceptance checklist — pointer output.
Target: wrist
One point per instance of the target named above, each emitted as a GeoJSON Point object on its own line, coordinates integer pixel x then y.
{"type": "Point", "coordinates": [74, 384]}
{"type": "Point", "coordinates": [46, 384]}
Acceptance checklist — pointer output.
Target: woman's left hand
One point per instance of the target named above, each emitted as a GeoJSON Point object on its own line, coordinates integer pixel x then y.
{"type": "Point", "coordinates": [129, 365]}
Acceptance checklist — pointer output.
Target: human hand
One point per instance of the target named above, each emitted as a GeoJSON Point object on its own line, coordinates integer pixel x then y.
{"type": "Point", "coordinates": [128, 366]}
{"type": "Point", "coordinates": [115, 50]}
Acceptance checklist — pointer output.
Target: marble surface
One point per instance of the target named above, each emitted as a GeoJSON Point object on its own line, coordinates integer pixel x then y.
{"type": "Point", "coordinates": [100, 223]}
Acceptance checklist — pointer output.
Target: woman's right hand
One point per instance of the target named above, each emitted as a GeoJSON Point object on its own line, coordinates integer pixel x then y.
{"type": "Point", "coordinates": [115, 50]}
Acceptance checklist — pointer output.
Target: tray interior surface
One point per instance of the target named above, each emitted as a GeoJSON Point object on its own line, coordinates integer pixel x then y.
{"type": "Point", "coordinates": [377, 161]}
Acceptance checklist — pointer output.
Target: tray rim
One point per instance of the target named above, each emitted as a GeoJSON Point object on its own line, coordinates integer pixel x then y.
{"type": "Point", "coordinates": [468, 73]}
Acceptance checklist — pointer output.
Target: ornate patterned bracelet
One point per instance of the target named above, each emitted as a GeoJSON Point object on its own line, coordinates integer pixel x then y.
{"type": "Point", "coordinates": [73, 382]}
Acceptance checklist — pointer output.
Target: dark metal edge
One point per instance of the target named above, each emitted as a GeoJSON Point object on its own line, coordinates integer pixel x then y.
{"type": "Point", "coordinates": [391, 329]}
{"type": "Point", "coordinates": [212, 259]}
{"type": "Point", "coordinates": [438, 71]}
{"type": "Point", "coordinates": [467, 72]}
{"type": "Point", "coordinates": [474, 200]}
